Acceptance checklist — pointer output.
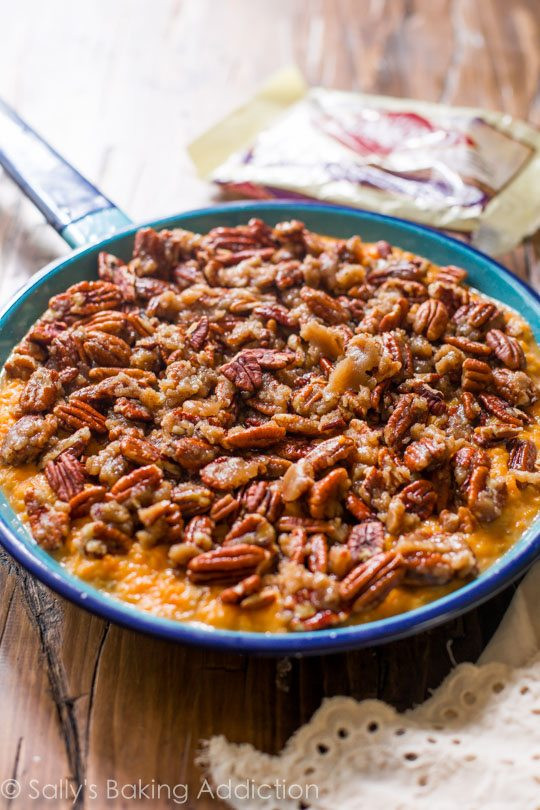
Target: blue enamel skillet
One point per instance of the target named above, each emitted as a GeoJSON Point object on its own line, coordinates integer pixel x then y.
{"type": "Point", "coordinates": [89, 222]}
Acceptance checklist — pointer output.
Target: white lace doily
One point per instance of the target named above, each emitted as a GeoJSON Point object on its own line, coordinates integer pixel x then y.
{"type": "Point", "coordinates": [474, 745]}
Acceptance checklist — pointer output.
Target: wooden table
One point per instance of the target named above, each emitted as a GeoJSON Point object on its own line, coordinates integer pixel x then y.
{"type": "Point", "coordinates": [120, 88]}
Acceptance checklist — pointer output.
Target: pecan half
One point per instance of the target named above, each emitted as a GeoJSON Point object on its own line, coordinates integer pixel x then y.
{"type": "Point", "coordinates": [503, 411]}
{"type": "Point", "coordinates": [103, 349]}
{"type": "Point", "coordinates": [409, 410]}
{"type": "Point", "coordinates": [264, 498]}
{"type": "Point", "coordinates": [476, 313]}
{"type": "Point", "coordinates": [79, 504]}
{"type": "Point", "coordinates": [132, 409]}
{"type": "Point", "coordinates": [408, 271]}
{"type": "Point", "coordinates": [198, 333]}
{"type": "Point", "coordinates": [318, 554]}
{"type": "Point", "coordinates": [65, 476]}
{"type": "Point", "coordinates": [471, 471]}
{"type": "Point", "coordinates": [429, 451]}
{"type": "Point", "coordinates": [435, 559]}
{"type": "Point", "coordinates": [475, 375]}
{"type": "Point", "coordinates": [523, 455]}
{"type": "Point", "coordinates": [365, 540]}
{"type": "Point", "coordinates": [49, 526]}
{"type": "Point", "coordinates": [41, 391]}
{"type": "Point", "coordinates": [229, 472]}
{"type": "Point", "coordinates": [199, 531]}
{"type": "Point", "coordinates": [226, 564]}
{"type": "Point", "coordinates": [224, 508]}
{"type": "Point", "coordinates": [253, 528]}
{"type": "Point", "coordinates": [419, 497]}
{"type": "Point", "coordinates": [357, 507]}
{"type": "Point", "coordinates": [325, 495]}
{"type": "Point", "coordinates": [102, 538]}
{"type": "Point", "coordinates": [192, 453]}
{"type": "Point", "coordinates": [271, 359]}
{"type": "Point", "coordinates": [76, 414]}
{"type": "Point", "coordinates": [192, 498]}
{"type": "Point", "coordinates": [260, 436]}
{"type": "Point", "coordinates": [244, 372]}
{"type": "Point", "coordinates": [371, 581]}
{"type": "Point", "coordinates": [139, 450]}
{"type": "Point", "coordinates": [506, 349]}
{"type": "Point", "coordinates": [86, 298]}
{"type": "Point", "coordinates": [469, 346]}
{"type": "Point", "coordinates": [431, 319]}
{"type": "Point", "coordinates": [451, 274]}
{"type": "Point", "coordinates": [324, 306]}
{"type": "Point", "coordinates": [235, 594]}
{"type": "Point", "coordinates": [395, 317]}
{"type": "Point", "coordinates": [138, 484]}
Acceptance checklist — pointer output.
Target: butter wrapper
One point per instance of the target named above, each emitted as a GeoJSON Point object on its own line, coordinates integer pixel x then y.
{"type": "Point", "coordinates": [457, 168]}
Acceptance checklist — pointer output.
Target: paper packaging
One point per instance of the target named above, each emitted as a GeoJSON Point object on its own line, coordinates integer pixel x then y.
{"type": "Point", "coordinates": [457, 168]}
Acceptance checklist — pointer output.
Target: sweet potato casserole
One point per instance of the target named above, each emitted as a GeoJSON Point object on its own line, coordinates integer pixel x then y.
{"type": "Point", "coordinates": [265, 428]}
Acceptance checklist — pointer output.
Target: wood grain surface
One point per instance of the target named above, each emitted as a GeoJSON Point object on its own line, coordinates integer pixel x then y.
{"type": "Point", "coordinates": [120, 87]}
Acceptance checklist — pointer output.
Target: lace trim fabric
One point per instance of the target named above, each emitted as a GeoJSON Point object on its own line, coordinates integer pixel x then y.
{"type": "Point", "coordinates": [474, 744]}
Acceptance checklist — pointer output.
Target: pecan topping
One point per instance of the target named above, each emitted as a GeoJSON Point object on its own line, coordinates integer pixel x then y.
{"type": "Point", "coordinates": [431, 319]}
{"type": "Point", "coordinates": [297, 417]}
{"type": "Point", "coordinates": [506, 349]}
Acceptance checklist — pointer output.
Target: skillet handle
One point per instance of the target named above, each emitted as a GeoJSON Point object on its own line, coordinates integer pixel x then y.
{"type": "Point", "coordinates": [71, 204]}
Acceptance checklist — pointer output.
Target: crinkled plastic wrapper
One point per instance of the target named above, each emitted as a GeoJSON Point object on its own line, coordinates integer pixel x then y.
{"type": "Point", "coordinates": [456, 168]}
